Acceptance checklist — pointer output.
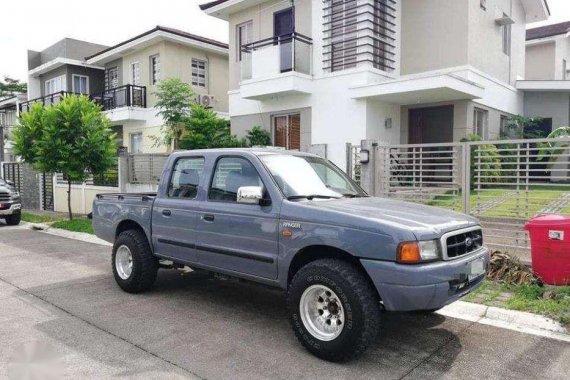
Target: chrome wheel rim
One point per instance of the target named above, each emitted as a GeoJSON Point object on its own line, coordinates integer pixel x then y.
{"type": "Point", "coordinates": [322, 312]}
{"type": "Point", "coordinates": [124, 262]}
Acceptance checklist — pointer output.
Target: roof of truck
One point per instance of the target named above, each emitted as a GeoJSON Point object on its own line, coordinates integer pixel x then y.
{"type": "Point", "coordinates": [258, 151]}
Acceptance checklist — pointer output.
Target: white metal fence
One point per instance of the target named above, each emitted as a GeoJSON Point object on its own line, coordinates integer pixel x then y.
{"type": "Point", "coordinates": [504, 183]}
{"type": "Point", "coordinates": [145, 168]}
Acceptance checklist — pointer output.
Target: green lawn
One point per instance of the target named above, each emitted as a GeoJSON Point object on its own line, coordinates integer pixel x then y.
{"type": "Point", "coordinates": [75, 225]}
{"type": "Point", "coordinates": [530, 298]}
{"type": "Point", "coordinates": [509, 202]}
{"type": "Point", "coordinates": [39, 218]}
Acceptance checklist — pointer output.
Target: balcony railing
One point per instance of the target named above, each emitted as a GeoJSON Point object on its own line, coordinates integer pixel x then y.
{"type": "Point", "coordinates": [47, 100]}
{"type": "Point", "coordinates": [275, 55]}
{"type": "Point", "coordinates": [124, 96]}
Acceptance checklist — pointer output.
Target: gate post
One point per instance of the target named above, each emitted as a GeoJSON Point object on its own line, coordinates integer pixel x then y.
{"type": "Point", "coordinates": [123, 162]}
{"type": "Point", "coordinates": [466, 179]}
{"type": "Point", "coordinates": [368, 165]}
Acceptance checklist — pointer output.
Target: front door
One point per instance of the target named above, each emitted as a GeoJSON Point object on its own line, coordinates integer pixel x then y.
{"type": "Point", "coordinates": [235, 236]}
{"type": "Point", "coordinates": [283, 29]}
{"type": "Point", "coordinates": [287, 131]}
{"type": "Point", "coordinates": [175, 217]}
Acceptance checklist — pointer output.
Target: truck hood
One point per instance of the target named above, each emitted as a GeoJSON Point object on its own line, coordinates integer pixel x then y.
{"type": "Point", "coordinates": [425, 222]}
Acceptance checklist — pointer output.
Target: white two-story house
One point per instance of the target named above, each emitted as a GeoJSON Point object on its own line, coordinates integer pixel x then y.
{"type": "Point", "coordinates": [332, 72]}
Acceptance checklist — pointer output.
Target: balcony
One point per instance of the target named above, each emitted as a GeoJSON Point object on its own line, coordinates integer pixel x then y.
{"type": "Point", "coordinates": [47, 100]}
{"type": "Point", "coordinates": [276, 66]}
{"type": "Point", "coordinates": [124, 96]}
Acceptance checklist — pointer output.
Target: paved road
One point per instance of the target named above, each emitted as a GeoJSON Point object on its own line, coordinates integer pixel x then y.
{"type": "Point", "coordinates": [61, 310]}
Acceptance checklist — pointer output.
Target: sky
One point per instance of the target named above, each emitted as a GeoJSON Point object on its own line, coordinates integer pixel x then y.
{"type": "Point", "coordinates": [37, 24]}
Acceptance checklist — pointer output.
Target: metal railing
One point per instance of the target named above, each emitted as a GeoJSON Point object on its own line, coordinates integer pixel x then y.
{"type": "Point", "coordinates": [46, 100]}
{"type": "Point", "coordinates": [124, 96]}
{"type": "Point", "coordinates": [275, 55]}
{"type": "Point", "coordinates": [146, 168]}
{"type": "Point", "coordinates": [504, 183]}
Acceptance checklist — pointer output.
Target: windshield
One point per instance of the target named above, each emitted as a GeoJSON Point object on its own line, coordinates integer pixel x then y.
{"type": "Point", "coordinates": [310, 177]}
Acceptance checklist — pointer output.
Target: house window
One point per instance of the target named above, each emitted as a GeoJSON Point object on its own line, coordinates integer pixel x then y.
{"type": "Point", "coordinates": [199, 68]}
{"type": "Point", "coordinates": [343, 34]}
{"type": "Point", "coordinates": [564, 69]}
{"type": "Point", "coordinates": [136, 140]}
{"type": "Point", "coordinates": [154, 69]}
{"type": "Point", "coordinates": [111, 78]}
{"type": "Point", "coordinates": [480, 117]}
{"type": "Point", "coordinates": [504, 126]}
{"type": "Point", "coordinates": [135, 73]}
{"type": "Point", "coordinates": [244, 36]}
{"type": "Point", "coordinates": [80, 84]}
{"type": "Point", "coordinates": [54, 85]}
{"type": "Point", "coordinates": [507, 38]}
{"type": "Point", "coordinates": [287, 131]}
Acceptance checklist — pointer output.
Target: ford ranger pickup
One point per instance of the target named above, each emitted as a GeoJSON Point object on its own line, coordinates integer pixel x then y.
{"type": "Point", "coordinates": [295, 221]}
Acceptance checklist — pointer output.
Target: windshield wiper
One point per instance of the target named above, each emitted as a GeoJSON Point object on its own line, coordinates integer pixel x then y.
{"type": "Point", "coordinates": [311, 197]}
{"type": "Point", "coordinates": [351, 195]}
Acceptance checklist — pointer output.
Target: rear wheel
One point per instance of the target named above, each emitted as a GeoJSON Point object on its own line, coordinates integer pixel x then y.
{"type": "Point", "coordinates": [335, 311]}
{"type": "Point", "coordinates": [134, 265]}
{"type": "Point", "coordinates": [13, 220]}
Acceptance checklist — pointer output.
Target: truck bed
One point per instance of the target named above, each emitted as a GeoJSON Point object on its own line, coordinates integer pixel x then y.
{"type": "Point", "coordinates": [109, 210]}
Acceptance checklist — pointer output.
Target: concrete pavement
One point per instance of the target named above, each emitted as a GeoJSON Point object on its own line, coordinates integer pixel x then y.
{"type": "Point", "coordinates": [62, 313]}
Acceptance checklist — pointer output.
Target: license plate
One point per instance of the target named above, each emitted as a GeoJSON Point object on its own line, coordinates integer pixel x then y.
{"type": "Point", "coordinates": [475, 269]}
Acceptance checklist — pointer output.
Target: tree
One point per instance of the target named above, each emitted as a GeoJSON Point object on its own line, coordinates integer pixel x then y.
{"type": "Point", "coordinates": [9, 87]}
{"type": "Point", "coordinates": [522, 127]}
{"type": "Point", "coordinates": [552, 150]}
{"type": "Point", "coordinates": [174, 103]}
{"type": "Point", "coordinates": [258, 136]}
{"type": "Point", "coordinates": [72, 137]}
{"type": "Point", "coordinates": [206, 130]}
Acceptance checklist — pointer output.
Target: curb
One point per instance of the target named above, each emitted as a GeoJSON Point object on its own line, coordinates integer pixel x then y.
{"type": "Point", "coordinates": [520, 321]}
{"type": "Point", "coordinates": [45, 228]}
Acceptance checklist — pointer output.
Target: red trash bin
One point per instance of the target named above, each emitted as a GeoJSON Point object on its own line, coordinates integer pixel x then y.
{"type": "Point", "coordinates": [550, 248]}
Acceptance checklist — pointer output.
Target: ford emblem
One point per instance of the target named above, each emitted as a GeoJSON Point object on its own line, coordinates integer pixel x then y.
{"type": "Point", "coordinates": [468, 242]}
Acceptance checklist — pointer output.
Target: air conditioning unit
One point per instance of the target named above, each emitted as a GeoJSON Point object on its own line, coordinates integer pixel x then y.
{"type": "Point", "coordinates": [206, 100]}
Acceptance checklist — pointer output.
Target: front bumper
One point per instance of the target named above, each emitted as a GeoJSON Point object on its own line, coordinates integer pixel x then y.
{"type": "Point", "coordinates": [10, 208]}
{"type": "Point", "coordinates": [424, 286]}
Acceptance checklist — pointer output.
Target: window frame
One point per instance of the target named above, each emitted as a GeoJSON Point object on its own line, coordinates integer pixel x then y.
{"type": "Point", "coordinates": [131, 141]}
{"type": "Point", "coordinates": [484, 126]}
{"type": "Point", "coordinates": [52, 80]}
{"type": "Point", "coordinates": [171, 176]}
{"type": "Point", "coordinates": [266, 196]}
{"type": "Point", "coordinates": [73, 89]}
{"type": "Point", "coordinates": [206, 68]}
{"type": "Point", "coordinates": [238, 41]}
{"type": "Point", "coordinates": [132, 73]}
{"type": "Point", "coordinates": [154, 61]}
{"type": "Point", "coordinates": [108, 81]}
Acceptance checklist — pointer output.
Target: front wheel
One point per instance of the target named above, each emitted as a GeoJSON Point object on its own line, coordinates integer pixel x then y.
{"type": "Point", "coordinates": [134, 265]}
{"type": "Point", "coordinates": [335, 311]}
{"type": "Point", "coordinates": [13, 220]}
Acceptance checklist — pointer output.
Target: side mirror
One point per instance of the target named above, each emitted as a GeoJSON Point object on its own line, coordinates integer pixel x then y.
{"type": "Point", "coordinates": [251, 195]}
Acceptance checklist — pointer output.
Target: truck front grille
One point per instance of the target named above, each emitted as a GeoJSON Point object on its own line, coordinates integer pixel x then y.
{"type": "Point", "coordinates": [4, 196]}
{"type": "Point", "coordinates": [463, 243]}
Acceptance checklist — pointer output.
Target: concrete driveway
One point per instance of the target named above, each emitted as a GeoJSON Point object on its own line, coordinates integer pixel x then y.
{"type": "Point", "coordinates": [62, 314]}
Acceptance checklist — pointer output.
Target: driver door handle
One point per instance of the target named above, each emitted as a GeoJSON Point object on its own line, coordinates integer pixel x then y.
{"type": "Point", "coordinates": [166, 212]}
{"type": "Point", "coordinates": [208, 218]}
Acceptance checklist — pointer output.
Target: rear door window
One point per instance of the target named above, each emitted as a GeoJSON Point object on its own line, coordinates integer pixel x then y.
{"type": "Point", "coordinates": [186, 177]}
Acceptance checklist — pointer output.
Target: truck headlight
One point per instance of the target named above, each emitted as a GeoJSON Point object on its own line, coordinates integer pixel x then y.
{"type": "Point", "coordinates": [418, 251]}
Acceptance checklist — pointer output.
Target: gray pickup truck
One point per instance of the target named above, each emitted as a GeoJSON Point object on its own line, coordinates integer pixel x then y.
{"type": "Point", "coordinates": [295, 221]}
{"type": "Point", "coordinates": [10, 204]}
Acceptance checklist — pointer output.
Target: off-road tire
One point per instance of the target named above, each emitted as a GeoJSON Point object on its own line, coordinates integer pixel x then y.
{"type": "Point", "coordinates": [13, 220]}
{"type": "Point", "coordinates": [145, 264]}
{"type": "Point", "coordinates": [359, 300]}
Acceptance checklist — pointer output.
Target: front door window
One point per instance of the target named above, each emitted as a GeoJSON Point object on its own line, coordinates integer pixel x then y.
{"type": "Point", "coordinates": [287, 131]}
